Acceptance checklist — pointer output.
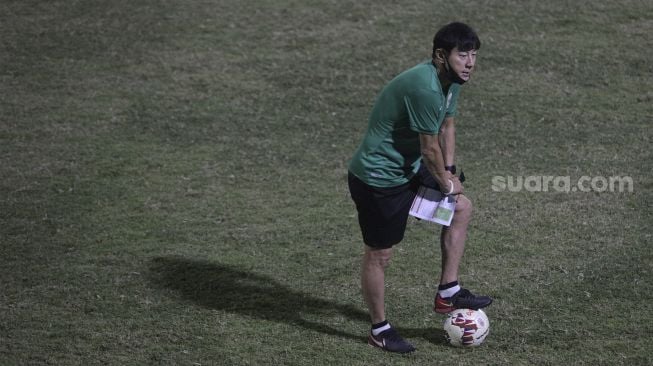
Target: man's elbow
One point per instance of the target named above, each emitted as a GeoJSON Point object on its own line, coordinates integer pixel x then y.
{"type": "Point", "coordinates": [448, 128]}
{"type": "Point", "coordinates": [429, 154]}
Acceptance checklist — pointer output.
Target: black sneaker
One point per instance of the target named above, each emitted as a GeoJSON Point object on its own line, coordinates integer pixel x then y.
{"type": "Point", "coordinates": [389, 340]}
{"type": "Point", "coordinates": [463, 299]}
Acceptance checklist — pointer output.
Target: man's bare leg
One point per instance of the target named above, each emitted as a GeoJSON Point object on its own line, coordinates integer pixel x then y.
{"type": "Point", "coordinates": [382, 335]}
{"type": "Point", "coordinates": [375, 261]}
{"type": "Point", "coordinates": [452, 240]}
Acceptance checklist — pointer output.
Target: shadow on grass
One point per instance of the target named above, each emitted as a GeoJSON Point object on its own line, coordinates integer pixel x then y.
{"type": "Point", "coordinates": [217, 286]}
{"type": "Point", "coordinates": [431, 335]}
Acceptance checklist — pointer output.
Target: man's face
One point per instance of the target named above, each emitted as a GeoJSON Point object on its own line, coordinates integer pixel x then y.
{"type": "Point", "coordinates": [462, 62]}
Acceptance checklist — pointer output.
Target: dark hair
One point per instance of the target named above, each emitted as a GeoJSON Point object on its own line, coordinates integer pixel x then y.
{"type": "Point", "coordinates": [456, 34]}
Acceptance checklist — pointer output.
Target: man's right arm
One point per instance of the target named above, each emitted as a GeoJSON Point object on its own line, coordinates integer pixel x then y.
{"type": "Point", "coordinates": [433, 158]}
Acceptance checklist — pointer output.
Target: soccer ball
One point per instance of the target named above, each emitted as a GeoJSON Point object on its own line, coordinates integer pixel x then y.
{"type": "Point", "coordinates": [466, 327]}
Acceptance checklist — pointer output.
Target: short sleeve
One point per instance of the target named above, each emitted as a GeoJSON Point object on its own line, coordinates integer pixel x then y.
{"type": "Point", "coordinates": [424, 108]}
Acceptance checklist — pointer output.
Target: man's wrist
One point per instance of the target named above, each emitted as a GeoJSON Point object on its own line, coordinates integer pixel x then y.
{"type": "Point", "coordinates": [450, 187]}
{"type": "Point", "coordinates": [450, 168]}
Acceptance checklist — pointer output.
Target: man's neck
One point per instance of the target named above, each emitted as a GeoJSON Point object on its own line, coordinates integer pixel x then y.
{"type": "Point", "coordinates": [442, 76]}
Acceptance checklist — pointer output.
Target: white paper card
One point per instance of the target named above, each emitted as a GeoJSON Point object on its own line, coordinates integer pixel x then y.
{"type": "Point", "coordinates": [432, 205]}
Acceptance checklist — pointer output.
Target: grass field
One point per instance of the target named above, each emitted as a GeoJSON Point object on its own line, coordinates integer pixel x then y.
{"type": "Point", "coordinates": [173, 181]}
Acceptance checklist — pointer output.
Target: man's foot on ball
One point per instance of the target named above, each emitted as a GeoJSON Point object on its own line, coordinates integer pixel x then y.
{"type": "Point", "coordinates": [462, 299]}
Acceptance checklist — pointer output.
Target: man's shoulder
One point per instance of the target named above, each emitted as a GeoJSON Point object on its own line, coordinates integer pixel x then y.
{"type": "Point", "coordinates": [421, 77]}
{"type": "Point", "coordinates": [422, 69]}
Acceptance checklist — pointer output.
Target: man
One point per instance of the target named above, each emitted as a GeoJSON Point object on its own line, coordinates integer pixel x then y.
{"type": "Point", "coordinates": [410, 141]}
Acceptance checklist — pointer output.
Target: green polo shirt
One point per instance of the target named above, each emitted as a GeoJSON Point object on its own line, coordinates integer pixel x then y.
{"type": "Point", "coordinates": [411, 103]}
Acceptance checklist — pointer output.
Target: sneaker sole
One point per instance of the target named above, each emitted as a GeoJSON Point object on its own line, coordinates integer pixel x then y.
{"type": "Point", "coordinates": [444, 310]}
{"type": "Point", "coordinates": [450, 308]}
{"type": "Point", "coordinates": [373, 344]}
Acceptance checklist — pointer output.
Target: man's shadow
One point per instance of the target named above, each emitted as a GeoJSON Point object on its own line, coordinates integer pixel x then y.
{"type": "Point", "coordinates": [221, 287]}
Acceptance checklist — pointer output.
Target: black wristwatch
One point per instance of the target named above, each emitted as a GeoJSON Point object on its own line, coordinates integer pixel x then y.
{"type": "Point", "coordinates": [450, 168]}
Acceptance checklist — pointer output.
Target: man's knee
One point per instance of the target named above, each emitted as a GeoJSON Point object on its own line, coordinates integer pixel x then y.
{"type": "Point", "coordinates": [378, 257]}
{"type": "Point", "coordinates": [463, 204]}
{"type": "Point", "coordinates": [463, 209]}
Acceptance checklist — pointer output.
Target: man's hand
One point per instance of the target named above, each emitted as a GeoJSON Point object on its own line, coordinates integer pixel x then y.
{"type": "Point", "coordinates": [455, 183]}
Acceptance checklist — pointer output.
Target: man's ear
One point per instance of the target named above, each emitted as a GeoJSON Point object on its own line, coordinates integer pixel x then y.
{"type": "Point", "coordinates": [440, 55]}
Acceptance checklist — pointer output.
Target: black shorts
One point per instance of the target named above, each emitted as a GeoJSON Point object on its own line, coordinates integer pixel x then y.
{"type": "Point", "coordinates": [383, 212]}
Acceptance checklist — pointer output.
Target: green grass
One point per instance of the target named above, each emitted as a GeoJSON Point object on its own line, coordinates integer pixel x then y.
{"type": "Point", "coordinates": [173, 182]}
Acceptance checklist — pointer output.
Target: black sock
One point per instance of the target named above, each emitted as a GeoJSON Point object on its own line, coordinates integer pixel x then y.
{"type": "Point", "coordinates": [448, 289]}
{"type": "Point", "coordinates": [380, 327]}
{"type": "Point", "coordinates": [447, 286]}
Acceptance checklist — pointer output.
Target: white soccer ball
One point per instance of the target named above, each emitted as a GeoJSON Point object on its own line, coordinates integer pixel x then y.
{"type": "Point", "coordinates": [466, 327]}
